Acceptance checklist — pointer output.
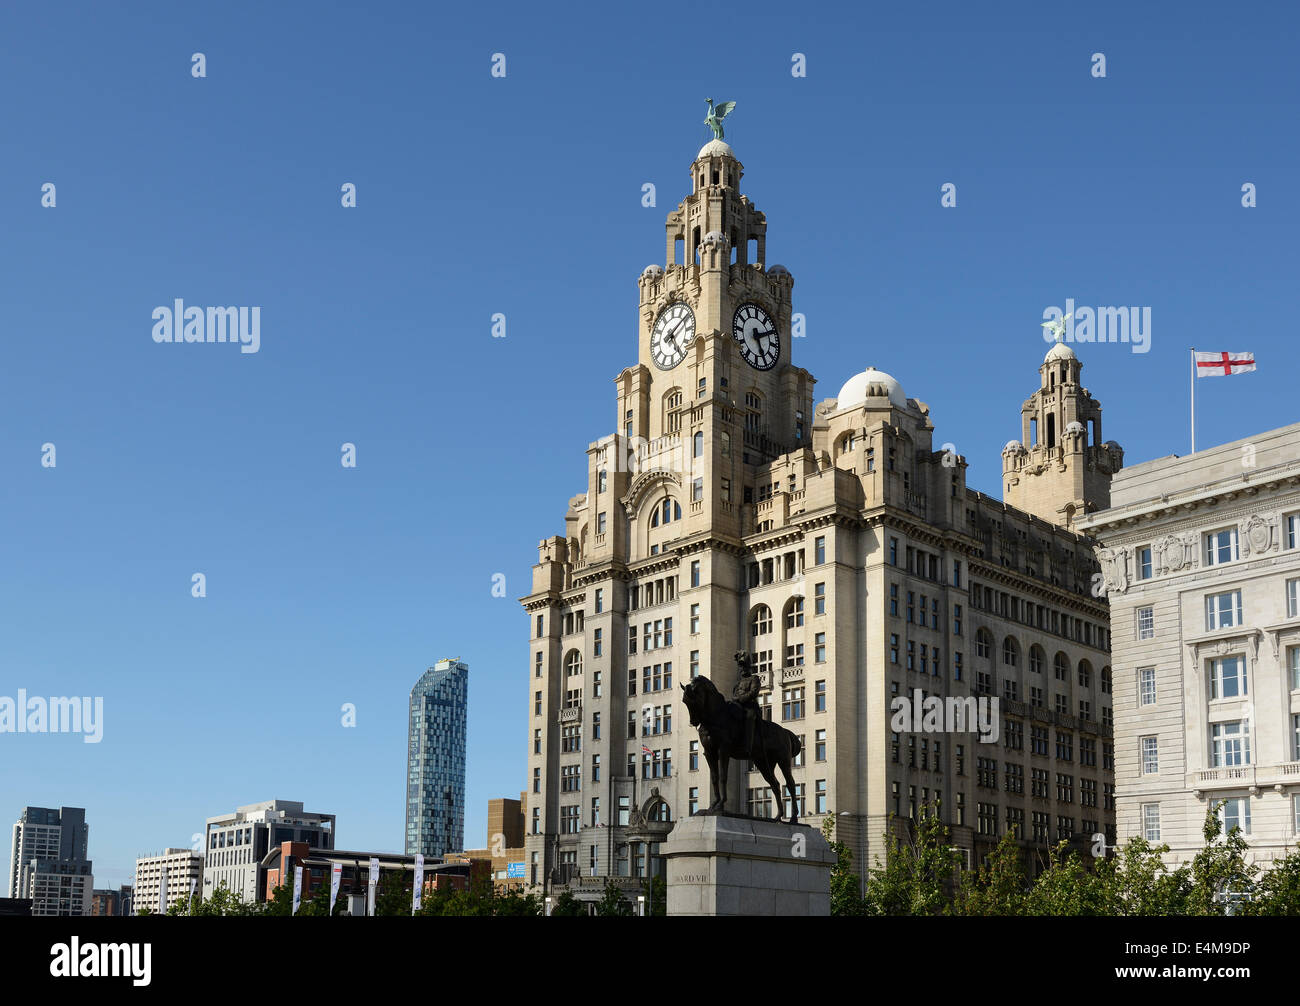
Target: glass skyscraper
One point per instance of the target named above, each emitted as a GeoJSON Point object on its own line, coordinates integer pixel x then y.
{"type": "Point", "coordinates": [435, 761]}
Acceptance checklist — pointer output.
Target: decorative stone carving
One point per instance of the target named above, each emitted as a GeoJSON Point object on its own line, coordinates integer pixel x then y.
{"type": "Point", "coordinates": [1114, 568]}
{"type": "Point", "coordinates": [1258, 533]}
{"type": "Point", "coordinates": [1176, 552]}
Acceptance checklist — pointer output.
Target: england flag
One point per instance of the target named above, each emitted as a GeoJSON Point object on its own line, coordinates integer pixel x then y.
{"type": "Point", "coordinates": [1223, 364]}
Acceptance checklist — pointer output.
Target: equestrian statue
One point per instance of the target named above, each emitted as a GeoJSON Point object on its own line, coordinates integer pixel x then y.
{"type": "Point", "coordinates": [737, 729]}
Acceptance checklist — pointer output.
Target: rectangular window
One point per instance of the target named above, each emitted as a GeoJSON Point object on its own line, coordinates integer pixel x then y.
{"type": "Point", "coordinates": [695, 664]}
{"type": "Point", "coordinates": [1293, 666]}
{"type": "Point", "coordinates": [1222, 611]}
{"type": "Point", "coordinates": [600, 522]}
{"type": "Point", "coordinates": [1151, 822]}
{"type": "Point", "coordinates": [819, 648]}
{"type": "Point", "coordinates": [819, 697]}
{"type": "Point", "coordinates": [819, 599]}
{"type": "Point", "coordinates": [1292, 598]}
{"type": "Point", "coordinates": [1221, 547]}
{"type": "Point", "coordinates": [1227, 677]}
{"type": "Point", "coordinates": [697, 490]}
{"type": "Point", "coordinates": [695, 573]}
{"type": "Point", "coordinates": [1235, 813]}
{"type": "Point", "coordinates": [1292, 535]}
{"type": "Point", "coordinates": [1146, 624]}
{"type": "Point", "coordinates": [695, 619]}
{"type": "Point", "coordinates": [596, 641]}
{"type": "Point", "coordinates": [819, 745]}
{"type": "Point", "coordinates": [956, 573]}
{"type": "Point", "coordinates": [1150, 756]}
{"type": "Point", "coordinates": [1144, 563]}
{"type": "Point", "coordinates": [600, 600]}
{"type": "Point", "coordinates": [1146, 686]}
{"type": "Point", "coordinates": [1230, 744]}
{"type": "Point", "coordinates": [819, 551]}
{"type": "Point", "coordinates": [893, 551]}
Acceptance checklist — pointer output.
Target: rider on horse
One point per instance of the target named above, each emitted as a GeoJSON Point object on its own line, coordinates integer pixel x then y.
{"type": "Point", "coordinates": [745, 693]}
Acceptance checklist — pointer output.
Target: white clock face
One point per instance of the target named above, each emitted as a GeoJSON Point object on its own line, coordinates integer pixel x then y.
{"type": "Point", "coordinates": [755, 332]}
{"type": "Point", "coordinates": [674, 329]}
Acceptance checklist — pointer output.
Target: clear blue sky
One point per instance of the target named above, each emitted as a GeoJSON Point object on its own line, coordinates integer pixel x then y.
{"type": "Point", "coordinates": [523, 196]}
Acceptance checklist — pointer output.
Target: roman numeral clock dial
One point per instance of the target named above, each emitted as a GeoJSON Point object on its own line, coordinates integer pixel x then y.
{"type": "Point", "coordinates": [755, 333]}
{"type": "Point", "coordinates": [673, 332]}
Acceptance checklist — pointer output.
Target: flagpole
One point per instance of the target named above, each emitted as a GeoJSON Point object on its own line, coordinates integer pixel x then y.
{"type": "Point", "coordinates": [1193, 351]}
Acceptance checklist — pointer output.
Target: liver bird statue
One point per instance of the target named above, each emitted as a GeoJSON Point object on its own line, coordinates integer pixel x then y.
{"type": "Point", "coordinates": [716, 114]}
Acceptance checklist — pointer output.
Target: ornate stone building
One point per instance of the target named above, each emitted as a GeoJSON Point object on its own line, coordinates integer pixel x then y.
{"type": "Point", "coordinates": [1201, 556]}
{"type": "Point", "coordinates": [835, 542]}
{"type": "Point", "coordinates": [1060, 469]}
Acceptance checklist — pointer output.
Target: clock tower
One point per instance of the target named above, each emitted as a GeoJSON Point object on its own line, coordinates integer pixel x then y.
{"type": "Point", "coordinates": [714, 391]}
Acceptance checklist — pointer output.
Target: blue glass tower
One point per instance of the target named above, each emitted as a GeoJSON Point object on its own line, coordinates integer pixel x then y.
{"type": "Point", "coordinates": [435, 761]}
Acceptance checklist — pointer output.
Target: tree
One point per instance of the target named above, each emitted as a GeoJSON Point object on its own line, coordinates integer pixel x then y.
{"type": "Point", "coordinates": [845, 899]}
{"type": "Point", "coordinates": [917, 876]}
{"type": "Point", "coordinates": [613, 903]}
{"type": "Point", "coordinates": [655, 892]}
{"type": "Point", "coordinates": [281, 901]}
{"type": "Point", "coordinates": [1220, 869]}
{"type": "Point", "coordinates": [567, 906]}
{"type": "Point", "coordinates": [1136, 882]}
{"type": "Point", "coordinates": [1066, 887]}
{"type": "Point", "coordinates": [1277, 892]}
{"type": "Point", "coordinates": [514, 903]}
{"type": "Point", "coordinates": [393, 895]}
{"type": "Point", "coordinates": [999, 886]}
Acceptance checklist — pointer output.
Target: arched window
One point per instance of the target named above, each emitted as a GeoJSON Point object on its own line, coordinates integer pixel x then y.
{"type": "Point", "coordinates": [983, 644]}
{"type": "Point", "coordinates": [1085, 674]}
{"type": "Point", "coordinates": [1061, 666]}
{"type": "Point", "coordinates": [573, 663]}
{"type": "Point", "coordinates": [760, 623]}
{"type": "Point", "coordinates": [698, 449]}
{"type": "Point", "coordinates": [1036, 659]}
{"type": "Point", "coordinates": [794, 613]}
{"type": "Point", "coordinates": [1010, 652]}
{"type": "Point", "coordinates": [1105, 681]}
{"type": "Point", "coordinates": [654, 518]}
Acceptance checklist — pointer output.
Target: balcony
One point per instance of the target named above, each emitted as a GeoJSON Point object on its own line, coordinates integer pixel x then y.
{"type": "Point", "coordinates": [1231, 777]}
{"type": "Point", "coordinates": [570, 714]}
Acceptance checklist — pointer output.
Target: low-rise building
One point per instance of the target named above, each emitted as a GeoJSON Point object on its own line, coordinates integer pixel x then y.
{"type": "Point", "coordinates": [184, 871]}
{"type": "Point", "coordinates": [235, 844]}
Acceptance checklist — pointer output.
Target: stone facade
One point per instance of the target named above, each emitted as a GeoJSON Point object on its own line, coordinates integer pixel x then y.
{"type": "Point", "coordinates": [1202, 566]}
{"type": "Point", "coordinates": [1060, 468]}
{"type": "Point", "coordinates": [838, 544]}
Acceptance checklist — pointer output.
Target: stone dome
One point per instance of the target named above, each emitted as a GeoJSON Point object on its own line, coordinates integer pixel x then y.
{"type": "Point", "coordinates": [715, 148]}
{"type": "Point", "coordinates": [871, 383]}
{"type": "Point", "coordinates": [652, 271]}
{"type": "Point", "coordinates": [1074, 427]}
{"type": "Point", "coordinates": [715, 239]}
{"type": "Point", "coordinates": [1059, 352]}
{"type": "Point", "coordinates": [1013, 445]}
{"type": "Point", "coordinates": [778, 270]}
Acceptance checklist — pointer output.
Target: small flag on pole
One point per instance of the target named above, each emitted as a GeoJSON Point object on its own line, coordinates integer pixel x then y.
{"type": "Point", "coordinates": [1223, 364]}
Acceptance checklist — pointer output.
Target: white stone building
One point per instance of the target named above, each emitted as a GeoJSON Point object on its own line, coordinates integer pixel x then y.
{"type": "Point", "coordinates": [1202, 561]}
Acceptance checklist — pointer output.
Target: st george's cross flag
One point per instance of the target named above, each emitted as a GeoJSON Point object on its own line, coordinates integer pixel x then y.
{"type": "Point", "coordinates": [1223, 364]}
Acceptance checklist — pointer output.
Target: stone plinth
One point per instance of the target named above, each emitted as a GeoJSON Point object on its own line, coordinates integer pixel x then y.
{"type": "Point", "coordinates": [744, 866]}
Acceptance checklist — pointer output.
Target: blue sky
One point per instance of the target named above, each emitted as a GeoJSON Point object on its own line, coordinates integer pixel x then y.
{"type": "Point", "coordinates": [522, 195]}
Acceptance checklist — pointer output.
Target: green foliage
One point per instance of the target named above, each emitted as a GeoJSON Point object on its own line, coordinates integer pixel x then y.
{"type": "Point", "coordinates": [613, 902]}
{"type": "Point", "coordinates": [658, 905]}
{"type": "Point", "coordinates": [999, 886]}
{"type": "Point", "coordinates": [845, 899]}
{"type": "Point", "coordinates": [1066, 887]}
{"type": "Point", "coordinates": [393, 896]}
{"type": "Point", "coordinates": [1219, 868]}
{"type": "Point", "coordinates": [1136, 882]}
{"type": "Point", "coordinates": [917, 875]}
{"type": "Point", "coordinates": [1277, 892]}
{"type": "Point", "coordinates": [567, 906]}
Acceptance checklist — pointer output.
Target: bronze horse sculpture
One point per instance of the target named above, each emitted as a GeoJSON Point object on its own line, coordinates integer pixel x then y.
{"type": "Point", "coordinates": [721, 726]}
